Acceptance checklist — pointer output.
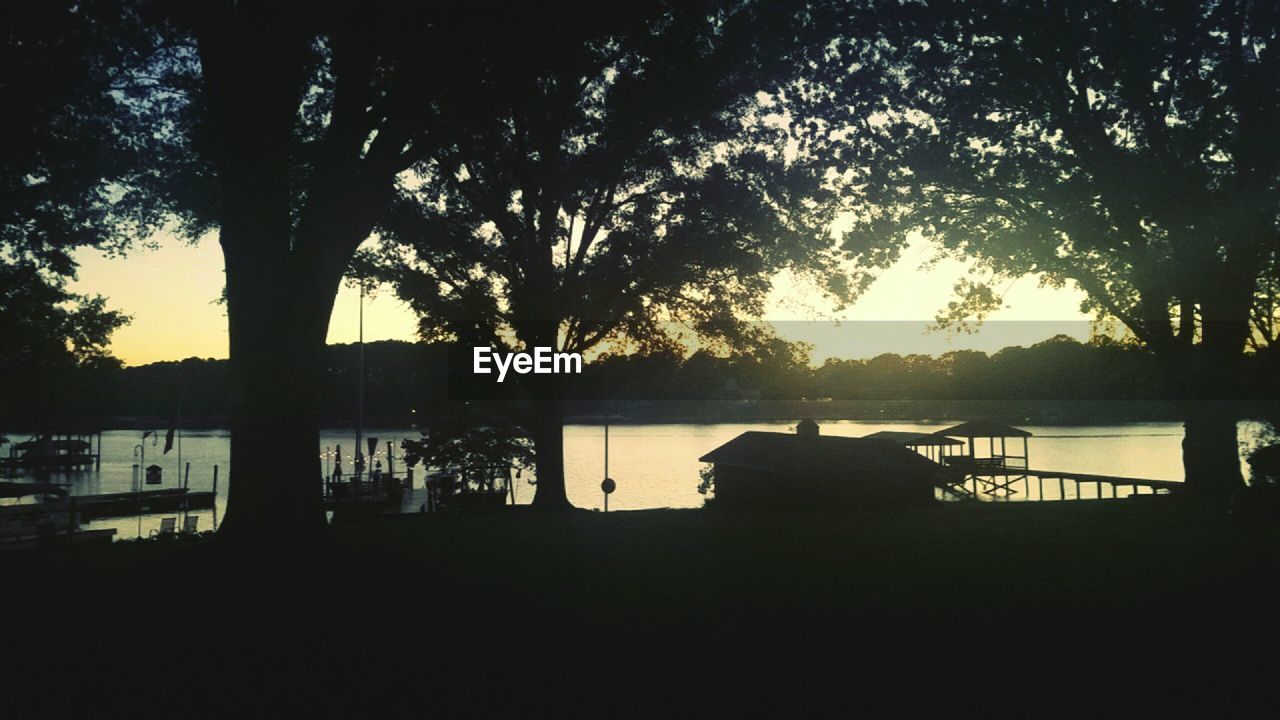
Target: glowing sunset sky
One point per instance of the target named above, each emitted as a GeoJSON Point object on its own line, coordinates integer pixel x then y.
{"type": "Point", "coordinates": [171, 293]}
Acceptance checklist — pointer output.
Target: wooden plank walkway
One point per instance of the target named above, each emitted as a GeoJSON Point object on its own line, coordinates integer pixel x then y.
{"type": "Point", "coordinates": [1086, 477]}
{"type": "Point", "coordinates": [131, 503]}
{"type": "Point", "coordinates": [996, 480]}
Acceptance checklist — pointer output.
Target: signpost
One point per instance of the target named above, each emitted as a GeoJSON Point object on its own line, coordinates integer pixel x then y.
{"type": "Point", "coordinates": [608, 485]}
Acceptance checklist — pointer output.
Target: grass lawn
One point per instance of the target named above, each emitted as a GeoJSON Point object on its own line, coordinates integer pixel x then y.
{"type": "Point", "coordinates": [1112, 573]}
{"type": "Point", "coordinates": [947, 568]}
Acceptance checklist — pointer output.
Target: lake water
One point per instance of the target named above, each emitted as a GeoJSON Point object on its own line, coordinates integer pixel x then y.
{"type": "Point", "coordinates": [655, 466]}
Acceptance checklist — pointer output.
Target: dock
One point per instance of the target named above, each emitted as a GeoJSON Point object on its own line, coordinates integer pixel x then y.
{"type": "Point", "coordinates": [93, 507]}
{"type": "Point", "coordinates": [995, 481]}
{"type": "Point", "coordinates": [57, 452]}
{"type": "Point", "coordinates": [57, 538]}
{"type": "Point", "coordinates": [125, 504]}
{"type": "Point", "coordinates": [1003, 470]}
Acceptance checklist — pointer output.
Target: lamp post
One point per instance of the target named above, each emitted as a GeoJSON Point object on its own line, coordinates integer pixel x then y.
{"type": "Point", "coordinates": [359, 466]}
{"type": "Point", "coordinates": [140, 452]}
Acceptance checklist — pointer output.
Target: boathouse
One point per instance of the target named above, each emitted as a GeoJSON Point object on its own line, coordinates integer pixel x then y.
{"type": "Point", "coordinates": [932, 446]}
{"type": "Point", "coordinates": [810, 470]}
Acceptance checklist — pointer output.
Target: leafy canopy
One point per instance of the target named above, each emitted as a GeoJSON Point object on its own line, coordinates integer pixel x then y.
{"type": "Point", "coordinates": [610, 173]}
{"type": "Point", "coordinates": [1125, 147]}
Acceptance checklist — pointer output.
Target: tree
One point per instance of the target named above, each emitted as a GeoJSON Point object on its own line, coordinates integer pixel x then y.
{"type": "Point", "coordinates": [608, 174]}
{"type": "Point", "coordinates": [53, 339]}
{"type": "Point", "coordinates": [300, 130]}
{"type": "Point", "coordinates": [285, 126]}
{"type": "Point", "coordinates": [63, 169]}
{"type": "Point", "coordinates": [68, 162]}
{"type": "Point", "coordinates": [1128, 148]}
{"type": "Point", "coordinates": [471, 447]}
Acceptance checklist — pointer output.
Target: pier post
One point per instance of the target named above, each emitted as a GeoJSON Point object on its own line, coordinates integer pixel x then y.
{"type": "Point", "coordinates": [215, 498]}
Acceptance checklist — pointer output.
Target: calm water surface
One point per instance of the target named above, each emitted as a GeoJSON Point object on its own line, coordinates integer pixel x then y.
{"type": "Point", "coordinates": [655, 466]}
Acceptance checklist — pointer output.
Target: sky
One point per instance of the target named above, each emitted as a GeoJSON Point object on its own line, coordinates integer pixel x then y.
{"type": "Point", "coordinates": [171, 294]}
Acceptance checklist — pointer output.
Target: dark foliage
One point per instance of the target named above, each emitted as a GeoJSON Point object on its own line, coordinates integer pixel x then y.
{"type": "Point", "coordinates": [409, 383]}
{"type": "Point", "coordinates": [468, 443]}
{"type": "Point", "coordinates": [1126, 148]}
{"type": "Point", "coordinates": [605, 174]}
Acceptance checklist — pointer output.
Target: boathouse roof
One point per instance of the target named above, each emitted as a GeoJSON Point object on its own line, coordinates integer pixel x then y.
{"type": "Point", "coordinates": [786, 452]}
{"type": "Point", "coordinates": [912, 439]}
{"type": "Point", "coordinates": [983, 428]}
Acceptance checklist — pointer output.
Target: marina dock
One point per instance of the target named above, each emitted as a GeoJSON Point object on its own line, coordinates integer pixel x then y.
{"type": "Point", "coordinates": [108, 505]}
{"type": "Point", "coordinates": [92, 507]}
{"type": "Point", "coordinates": [1006, 480]}
{"type": "Point", "coordinates": [1003, 470]}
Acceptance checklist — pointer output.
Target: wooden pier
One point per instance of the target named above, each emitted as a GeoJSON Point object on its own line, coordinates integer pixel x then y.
{"type": "Point", "coordinates": [985, 465]}
{"type": "Point", "coordinates": [125, 504]}
{"type": "Point", "coordinates": [147, 501]}
{"type": "Point", "coordinates": [1003, 482]}
{"type": "Point", "coordinates": [56, 537]}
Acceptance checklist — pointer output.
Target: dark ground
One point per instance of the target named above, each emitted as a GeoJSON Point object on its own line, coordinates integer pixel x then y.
{"type": "Point", "coordinates": [1052, 599]}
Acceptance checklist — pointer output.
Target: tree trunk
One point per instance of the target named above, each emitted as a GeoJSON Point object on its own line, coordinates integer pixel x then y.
{"type": "Point", "coordinates": [253, 65]}
{"type": "Point", "coordinates": [1211, 452]}
{"type": "Point", "coordinates": [276, 364]}
{"type": "Point", "coordinates": [548, 445]}
{"type": "Point", "coordinates": [1205, 390]}
{"type": "Point", "coordinates": [1209, 379]}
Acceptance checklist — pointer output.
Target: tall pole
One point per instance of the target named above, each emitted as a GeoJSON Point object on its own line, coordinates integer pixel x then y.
{"type": "Point", "coordinates": [179, 432]}
{"type": "Point", "coordinates": [360, 389]}
{"type": "Point", "coordinates": [215, 497]}
{"type": "Point", "coordinates": [140, 452]}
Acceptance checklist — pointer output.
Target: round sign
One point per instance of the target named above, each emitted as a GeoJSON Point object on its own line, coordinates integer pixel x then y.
{"type": "Point", "coordinates": [608, 486]}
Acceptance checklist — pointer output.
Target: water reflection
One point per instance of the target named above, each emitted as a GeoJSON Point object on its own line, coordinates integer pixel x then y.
{"type": "Point", "coordinates": [655, 465]}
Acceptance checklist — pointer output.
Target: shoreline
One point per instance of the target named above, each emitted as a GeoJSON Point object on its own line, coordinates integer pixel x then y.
{"type": "Point", "coordinates": [675, 412]}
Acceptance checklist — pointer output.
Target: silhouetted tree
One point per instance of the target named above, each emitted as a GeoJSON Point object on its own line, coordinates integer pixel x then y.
{"type": "Point", "coordinates": [286, 126]}
{"type": "Point", "coordinates": [471, 446]}
{"type": "Point", "coordinates": [283, 125]}
{"type": "Point", "coordinates": [608, 173]}
{"type": "Point", "coordinates": [1128, 148]}
{"type": "Point", "coordinates": [306, 118]}
{"type": "Point", "coordinates": [63, 166]}
{"type": "Point", "coordinates": [69, 159]}
{"type": "Point", "coordinates": [51, 343]}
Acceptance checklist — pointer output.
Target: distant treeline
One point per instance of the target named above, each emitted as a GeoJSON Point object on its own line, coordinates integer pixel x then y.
{"type": "Point", "coordinates": [406, 381]}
